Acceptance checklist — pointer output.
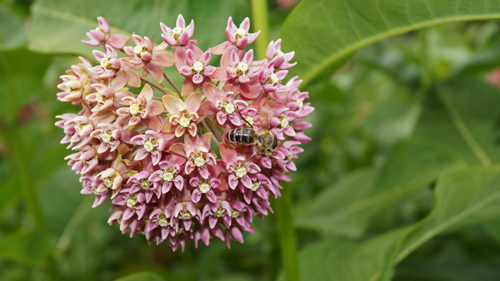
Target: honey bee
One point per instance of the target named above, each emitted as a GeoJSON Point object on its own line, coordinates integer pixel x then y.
{"type": "Point", "coordinates": [264, 141]}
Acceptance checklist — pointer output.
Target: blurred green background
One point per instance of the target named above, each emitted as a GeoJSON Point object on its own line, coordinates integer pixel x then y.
{"type": "Point", "coordinates": [406, 138]}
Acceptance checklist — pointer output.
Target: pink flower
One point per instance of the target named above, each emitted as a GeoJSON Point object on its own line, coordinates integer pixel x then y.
{"type": "Point", "coordinates": [153, 58]}
{"type": "Point", "coordinates": [74, 85]}
{"type": "Point", "coordinates": [143, 109]}
{"type": "Point", "coordinates": [180, 35]}
{"type": "Point", "coordinates": [240, 36]}
{"type": "Point", "coordinates": [279, 59]}
{"type": "Point", "coordinates": [109, 94]}
{"type": "Point", "coordinates": [152, 145]}
{"type": "Point", "coordinates": [184, 115]}
{"type": "Point", "coordinates": [198, 154]}
{"type": "Point", "coordinates": [238, 169]}
{"type": "Point", "coordinates": [153, 157]}
{"type": "Point", "coordinates": [204, 187]}
{"type": "Point", "coordinates": [109, 63]}
{"type": "Point", "coordinates": [170, 173]}
{"type": "Point", "coordinates": [101, 36]}
{"type": "Point", "coordinates": [223, 106]}
{"type": "Point", "coordinates": [141, 183]}
{"type": "Point", "coordinates": [196, 71]}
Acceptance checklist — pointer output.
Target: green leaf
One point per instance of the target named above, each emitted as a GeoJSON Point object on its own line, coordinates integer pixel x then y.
{"type": "Point", "coordinates": [346, 208]}
{"type": "Point", "coordinates": [464, 196]}
{"type": "Point", "coordinates": [463, 114]}
{"type": "Point", "coordinates": [59, 26]}
{"type": "Point", "coordinates": [142, 276]}
{"type": "Point", "coordinates": [12, 33]}
{"type": "Point", "coordinates": [322, 32]}
{"type": "Point", "coordinates": [27, 247]}
{"type": "Point", "coordinates": [59, 198]}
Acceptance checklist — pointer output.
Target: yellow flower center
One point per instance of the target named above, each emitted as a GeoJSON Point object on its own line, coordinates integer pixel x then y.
{"type": "Point", "coordinates": [228, 107]}
{"type": "Point", "coordinates": [176, 32]}
{"type": "Point", "coordinates": [241, 171]}
{"type": "Point", "coordinates": [136, 109]}
{"type": "Point", "coordinates": [139, 49]}
{"type": "Point", "coordinates": [283, 122]}
{"type": "Point", "coordinates": [273, 79]}
{"type": "Point", "coordinates": [106, 63]}
{"type": "Point", "coordinates": [235, 213]}
{"type": "Point", "coordinates": [107, 137]}
{"type": "Point", "coordinates": [198, 67]}
{"type": "Point", "coordinates": [149, 145]}
{"type": "Point", "coordinates": [249, 119]}
{"type": "Point", "coordinates": [131, 202]}
{"type": "Point", "coordinates": [240, 33]}
{"type": "Point", "coordinates": [241, 68]}
{"type": "Point", "coordinates": [199, 160]}
{"type": "Point", "coordinates": [145, 184]}
{"type": "Point", "coordinates": [204, 187]}
{"type": "Point", "coordinates": [162, 220]}
{"type": "Point", "coordinates": [255, 186]}
{"type": "Point", "coordinates": [168, 175]}
{"type": "Point", "coordinates": [108, 182]}
{"type": "Point", "coordinates": [185, 121]}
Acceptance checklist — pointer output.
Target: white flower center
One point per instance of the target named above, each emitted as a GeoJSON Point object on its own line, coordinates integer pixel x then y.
{"type": "Point", "coordinates": [107, 137]}
{"type": "Point", "coordinates": [139, 49]}
{"type": "Point", "coordinates": [135, 109]}
{"type": "Point", "coordinates": [162, 220]}
{"type": "Point", "coordinates": [273, 78]}
{"type": "Point", "coordinates": [279, 53]}
{"type": "Point", "coordinates": [131, 202]}
{"type": "Point", "coordinates": [168, 175]}
{"type": "Point", "coordinates": [204, 187]}
{"type": "Point", "coordinates": [149, 145]}
{"type": "Point", "coordinates": [177, 31]}
{"type": "Point", "coordinates": [300, 104]}
{"type": "Point", "coordinates": [198, 66]}
{"type": "Point", "coordinates": [100, 98]}
{"type": "Point", "coordinates": [219, 212]}
{"type": "Point", "coordinates": [94, 190]}
{"type": "Point", "coordinates": [255, 185]}
{"type": "Point", "coordinates": [78, 128]}
{"type": "Point", "coordinates": [106, 63]}
{"type": "Point", "coordinates": [185, 121]}
{"type": "Point", "coordinates": [240, 33]}
{"type": "Point", "coordinates": [241, 171]}
{"type": "Point", "coordinates": [199, 160]}
{"type": "Point", "coordinates": [145, 184]}
{"type": "Point", "coordinates": [283, 122]}
{"type": "Point", "coordinates": [241, 68]}
{"type": "Point", "coordinates": [228, 107]}
{"type": "Point", "coordinates": [185, 215]}
{"type": "Point", "coordinates": [235, 213]}
{"type": "Point", "coordinates": [249, 119]}
{"type": "Point", "coordinates": [108, 182]}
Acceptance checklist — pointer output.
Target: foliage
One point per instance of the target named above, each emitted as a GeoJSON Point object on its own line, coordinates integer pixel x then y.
{"type": "Point", "coordinates": [402, 174]}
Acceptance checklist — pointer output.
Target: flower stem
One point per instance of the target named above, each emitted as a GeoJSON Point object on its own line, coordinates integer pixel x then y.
{"type": "Point", "coordinates": [15, 141]}
{"type": "Point", "coordinates": [164, 91]}
{"type": "Point", "coordinates": [172, 84]}
{"type": "Point", "coordinates": [260, 22]}
{"type": "Point", "coordinates": [283, 205]}
{"type": "Point", "coordinates": [288, 243]}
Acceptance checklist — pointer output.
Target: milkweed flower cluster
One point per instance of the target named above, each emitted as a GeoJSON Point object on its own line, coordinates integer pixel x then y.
{"type": "Point", "coordinates": [164, 160]}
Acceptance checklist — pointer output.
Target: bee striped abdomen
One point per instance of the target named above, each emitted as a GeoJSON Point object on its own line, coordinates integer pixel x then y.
{"type": "Point", "coordinates": [245, 136]}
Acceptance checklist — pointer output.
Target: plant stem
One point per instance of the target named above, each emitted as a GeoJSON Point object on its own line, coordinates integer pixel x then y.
{"type": "Point", "coordinates": [172, 84]}
{"type": "Point", "coordinates": [283, 205]}
{"type": "Point", "coordinates": [208, 130]}
{"type": "Point", "coordinates": [260, 22]}
{"type": "Point", "coordinates": [15, 140]}
{"type": "Point", "coordinates": [165, 91]}
{"type": "Point", "coordinates": [287, 239]}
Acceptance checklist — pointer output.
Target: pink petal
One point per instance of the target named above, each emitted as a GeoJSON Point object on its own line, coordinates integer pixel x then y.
{"type": "Point", "coordinates": [172, 104]}
{"type": "Point", "coordinates": [193, 102]}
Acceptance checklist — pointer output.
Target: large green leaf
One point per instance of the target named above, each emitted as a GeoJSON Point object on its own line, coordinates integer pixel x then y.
{"type": "Point", "coordinates": [463, 114]}
{"type": "Point", "coordinates": [464, 196]}
{"type": "Point", "coordinates": [27, 246]}
{"type": "Point", "coordinates": [142, 276]}
{"type": "Point", "coordinates": [346, 209]}
{"type": "Point", "coordinates": [323, 31]}
{"type": "Point", "coordinates": [12, 33]}
{"type": "Point", "coordinates": [58, 26]}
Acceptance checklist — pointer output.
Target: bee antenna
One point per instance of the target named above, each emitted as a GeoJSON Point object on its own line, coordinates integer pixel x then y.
{"type": "Point", "coordinates": [244, 118]}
